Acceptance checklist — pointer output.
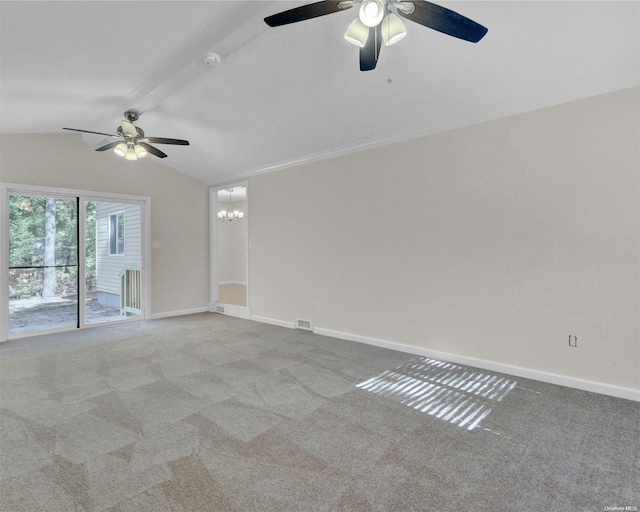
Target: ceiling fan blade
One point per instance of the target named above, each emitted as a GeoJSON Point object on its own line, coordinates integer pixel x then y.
{"type": "Point", "coordinates": [162, 140]}
{"type": "Point", "coordinates": [306, 12]}
{"type": "Point", "coordinates": [445, 20]}
{"type": "Point", "coordinates": [370, 52]}
{"type": "Point", "coordinates": [152, 150]}
{"type": "Point", "coordinates": [95, 133]}
{"type": "Point", "coordinates": [109, 146]}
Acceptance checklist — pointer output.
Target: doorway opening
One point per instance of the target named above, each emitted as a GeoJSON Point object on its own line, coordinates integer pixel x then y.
{"type": "Point", "coordinates": [230, 250]}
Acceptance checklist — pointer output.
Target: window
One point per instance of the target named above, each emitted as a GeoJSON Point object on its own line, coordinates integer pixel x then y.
{"type": "Point", "coordinates": [116, 234]}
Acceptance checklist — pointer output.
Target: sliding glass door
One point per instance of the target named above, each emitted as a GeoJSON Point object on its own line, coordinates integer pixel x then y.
{"type": "Point", "coordinates": [43, 263]}
{"type": "Point", "coordinates": [113, 261]}
{"type": "Point", "coordinates": [72, 260]}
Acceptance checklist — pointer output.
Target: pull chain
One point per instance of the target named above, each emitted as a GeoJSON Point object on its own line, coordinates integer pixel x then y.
{"type": "Point", "coordinates": [388, 56]}
{"type": "Point", "coordinates": [389, 66]}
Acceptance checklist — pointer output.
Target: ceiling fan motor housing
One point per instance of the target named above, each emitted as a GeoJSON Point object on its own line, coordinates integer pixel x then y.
{"type": "Point", "coordinates": [131, 116]}
{"type": "Point", "coordinates": [140, 132]}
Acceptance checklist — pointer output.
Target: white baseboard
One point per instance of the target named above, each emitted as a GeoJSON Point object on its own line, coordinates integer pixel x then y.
{"type": "Point", "coordinates": [518, 371]}
{"type": "Point", "coordinates": [181, 312]}
{"type": "Point", "coordinates": [273, 321]}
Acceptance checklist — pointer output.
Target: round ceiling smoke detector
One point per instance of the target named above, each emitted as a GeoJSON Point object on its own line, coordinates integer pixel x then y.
{"type": "Point", "coordinates": [212, 58]}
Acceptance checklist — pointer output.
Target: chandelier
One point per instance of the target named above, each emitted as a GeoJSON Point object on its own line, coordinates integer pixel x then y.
{"type": "Point", "coordinates": [230, 214]}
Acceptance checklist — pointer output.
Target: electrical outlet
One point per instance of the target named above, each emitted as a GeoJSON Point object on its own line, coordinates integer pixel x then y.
{"type": "Point", "coordinates": [317, 305]}
{"type": "Point", "coordinates": [573, 341]}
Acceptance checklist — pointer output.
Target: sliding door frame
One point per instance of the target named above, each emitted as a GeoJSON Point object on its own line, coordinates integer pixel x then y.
{"type": "Point", "coordinates": [7, 189]}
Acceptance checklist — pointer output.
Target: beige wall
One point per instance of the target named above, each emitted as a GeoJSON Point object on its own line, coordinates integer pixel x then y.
{"type": "Point", "coordinates": [495, 241]}
{"type": "Point", "coordinates": [179, 206]}
{"type": "Point", "coordinates": [513, 234]}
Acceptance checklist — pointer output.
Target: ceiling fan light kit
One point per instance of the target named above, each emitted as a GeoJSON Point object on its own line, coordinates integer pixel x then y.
{"type": "Point", "coordinates": [135, 151]}
{"type": "Point", "coordinates": [377, 23]}
{"type": "Point", "coordinates": [130, 151]}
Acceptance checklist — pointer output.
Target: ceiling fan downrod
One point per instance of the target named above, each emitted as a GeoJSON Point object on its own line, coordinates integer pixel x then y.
{"type": "Point", "coordinates": [131, 116]}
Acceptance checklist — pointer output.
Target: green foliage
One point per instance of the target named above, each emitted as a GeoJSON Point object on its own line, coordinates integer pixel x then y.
{"type": "Point", "coordinates": [90, 246]}
{"type": "Point", "coordinates": [26, 245]}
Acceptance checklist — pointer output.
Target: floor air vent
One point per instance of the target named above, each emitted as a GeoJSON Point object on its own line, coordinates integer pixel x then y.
{"type": "Point", "coordinates": [303, 324]}
{"type": "Point", "coordinates": [219, 309]}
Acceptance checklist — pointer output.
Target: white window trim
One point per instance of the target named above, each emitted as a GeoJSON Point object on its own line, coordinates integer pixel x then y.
{"type": "Point", "coordinates": [124, 217]}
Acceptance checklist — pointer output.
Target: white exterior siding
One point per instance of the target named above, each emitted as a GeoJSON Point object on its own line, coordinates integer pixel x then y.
{"type": "Point", "coordinates": [108, 267]}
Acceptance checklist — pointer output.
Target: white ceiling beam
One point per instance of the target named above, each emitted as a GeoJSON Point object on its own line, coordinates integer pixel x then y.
{"type": "Point", "coordinates": [228, 34]}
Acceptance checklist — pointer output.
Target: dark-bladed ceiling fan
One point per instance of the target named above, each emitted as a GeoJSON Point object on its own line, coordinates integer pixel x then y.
{"type": "Point", "coordinates": [132, 143]}
{"type": "Point", "coordinates": [377, 23]}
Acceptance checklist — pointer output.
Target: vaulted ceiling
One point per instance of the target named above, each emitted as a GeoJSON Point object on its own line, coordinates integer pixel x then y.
{"type": "Point", "coordinates": [292, 94]}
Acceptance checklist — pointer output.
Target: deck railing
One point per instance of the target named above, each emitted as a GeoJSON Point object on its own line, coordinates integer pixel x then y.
{"type": "Point", "coordinates": [130, 290]}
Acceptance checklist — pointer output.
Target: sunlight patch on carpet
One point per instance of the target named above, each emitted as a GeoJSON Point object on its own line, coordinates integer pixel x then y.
{"type": "Point", "coordinates": [460, 395]}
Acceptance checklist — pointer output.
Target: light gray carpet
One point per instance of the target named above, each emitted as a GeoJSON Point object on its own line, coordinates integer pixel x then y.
{"type": "Point", "coordinates": [207, 412]}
